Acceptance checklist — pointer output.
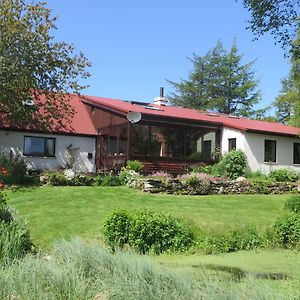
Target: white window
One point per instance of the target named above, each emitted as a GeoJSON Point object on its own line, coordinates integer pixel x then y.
{"type": "Point", "coordinates": [39, 146]}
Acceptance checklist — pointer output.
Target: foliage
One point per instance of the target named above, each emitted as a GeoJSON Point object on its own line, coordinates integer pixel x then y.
{"type": "Point", "coordinates": [129, 177]}
{"type": "Point", "coordinates": [116, 228]}
{"type": "Point", "coordinates": [287, 230]}
{"type": "Point", "coordinates": [134, 165]}
{"type": "Point", "coordinates": [235, 239]}
{"type": "Point", "coordinates": [234, 164]}
{"type": "Point", "coordinates": [15, 240]}
{"type": "Point", "coordinates": [110, 180]}
{"type": "Point", "coordinates": [147, 231]}
{"type": "Point", "coordinates": [69, 177]}
{"type": "Point", "coordinates": [280, 18]}
{"type": "Point", "coordinates": [16, 170]}
{"type": "Point", "coordinates": [57, 179]}
{"type": "Point", "coordinates": [78, 270]}
{"type": "Point", "coordinates": [288, 103]}
{"type": "Point", "coordinates": [82, 179]}
{"type": "Point", "coordinates": [293, 203]}
{"type": "Point", "coordinates": [33, 63]}
{"type": "Point", "coordinates": [260, 186]}
{"type": "Point", "coordinates": [218, 82]}
{"type": "Point", "coordinates": [198, 183]}
{"type": "Point", "coordinates": [284, 175]}
{"type": "Point", "coordinates": [257, 176]}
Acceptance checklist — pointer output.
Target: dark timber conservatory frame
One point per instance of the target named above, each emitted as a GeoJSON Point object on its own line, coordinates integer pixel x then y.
{"type": "Point", "coordinates": [158, 142]}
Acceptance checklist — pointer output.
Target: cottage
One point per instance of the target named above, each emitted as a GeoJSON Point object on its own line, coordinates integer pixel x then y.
{"type": "Point", "coordinates": [106, 132]}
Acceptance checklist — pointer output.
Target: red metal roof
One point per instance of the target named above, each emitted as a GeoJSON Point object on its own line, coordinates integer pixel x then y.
{"type": "Point", "coordinates": [81, 123]}
{"type": "Point", "coordinates": [240, 123]}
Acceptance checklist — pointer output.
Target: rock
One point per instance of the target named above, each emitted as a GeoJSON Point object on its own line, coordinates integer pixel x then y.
{"type": "Point", "coordinates": [240, 179]}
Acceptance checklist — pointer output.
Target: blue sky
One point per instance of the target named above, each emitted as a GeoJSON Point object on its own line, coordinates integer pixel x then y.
{"type": "Point", "coordinates": [136, 45]}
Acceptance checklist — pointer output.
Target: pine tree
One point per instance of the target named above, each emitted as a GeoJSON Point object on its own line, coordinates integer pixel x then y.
{"type": "Point", "coordinates": [218, 82]}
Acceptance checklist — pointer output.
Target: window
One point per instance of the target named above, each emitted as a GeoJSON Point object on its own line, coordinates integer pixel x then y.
{"type": "Point", "coordinates": [39, 146]}
{"type": "Point", "coordinates": [112, 145]}
{"type": "Point", "coordinates": [296, 153]}
{"type": "Point", "coordinates": [270, 151]}
{"type": "Point", "coordinates": [231, 144]}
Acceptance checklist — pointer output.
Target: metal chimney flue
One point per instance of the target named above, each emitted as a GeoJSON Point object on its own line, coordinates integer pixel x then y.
{"type": "Point", "coordinates": [161, 92]}
{"type": "Point", "coordinates": [161, 100]}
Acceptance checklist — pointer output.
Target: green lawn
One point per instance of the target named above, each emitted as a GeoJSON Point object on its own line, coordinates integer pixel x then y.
{"type": "Point", "coordinates": [63, 212]}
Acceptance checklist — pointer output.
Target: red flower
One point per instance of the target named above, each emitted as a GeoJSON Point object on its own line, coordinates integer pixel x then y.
{"type": "Point", "coordinates": [3, 171]}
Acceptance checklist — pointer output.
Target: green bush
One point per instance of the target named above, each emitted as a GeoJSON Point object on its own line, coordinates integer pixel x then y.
{"type": "Point", "coordinates": [82, 180]}
{"type": "Point", "coordinates": [129, 177]}
{"type": "Point", "coordinates": [110, 180]}
{"type": "Point", "coordinates": [284, 175]}
{"type": "Point", "coordinates": [293, 204]}
{"type": "Point", "coordinates": [134, 165]}
{"type": "Point", "coordinates": [233, 164]}
{"type": "Point", "coordinates": [233, 240]}
{"type": "Point", "coordinates": [57, 179]}
{"type": "Point", "coordinates": [147, 231]}
{"type": "Point", "coordinates": [116, 228]}
{"type": "Point", "coordinates": [260, 187]}
{"type": "Point", "coordinates": [16, 170]}
{"type": "Point", "coordinates": [287, 230]}
{"type": "Point", "coordinates": [15, 241]}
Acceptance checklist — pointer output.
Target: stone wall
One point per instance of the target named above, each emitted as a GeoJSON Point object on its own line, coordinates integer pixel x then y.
{"type": "Point", "coordinates": [211, 187]}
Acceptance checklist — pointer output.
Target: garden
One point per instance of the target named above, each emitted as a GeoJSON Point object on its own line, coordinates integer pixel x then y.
{"type": "Point", "coordinates": [108, 237]}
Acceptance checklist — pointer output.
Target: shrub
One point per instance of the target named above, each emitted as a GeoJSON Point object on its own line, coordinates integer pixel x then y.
{"type": "Point", "coordinates": [116, 228]}
{"type": "Point", "coordinates": [287, 230]}
{"type": "Point", "coordinates": [110, 180]}
{"type": "Point", "coordinates": [260, 187]}
{"type": "Point", "coordinates": [234, 164]}
{"type": "Point", "coordinates": [234, 239]}
{"type": "Point", "coordinates": [134, 165]}
{"type": "Point", "coordinates": [15, 241]}
{"type": "Point", "coordinates": [293, 203]}
{"type": "Point", "coordinates": [284, 175]}
{"type": "Point", "coordinates": [198, 183]}
{"type": "Point", "coordinates": [147, 231]}
{"type": "Point", "coordinates": [257, 175]}
{"type": "Point", "coordinates": [16, 170]}
{"type": "Point", "coordinates": [57, 179]}
{"type": "Point", "coordinates": [82, 179]}
{"type": "Point", "coordinates": [129, 177]}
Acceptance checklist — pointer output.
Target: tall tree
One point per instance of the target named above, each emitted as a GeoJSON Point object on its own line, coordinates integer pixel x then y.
{"type": "Point", "coordinates": [277, 17]}
{"type": "Point", "coordinates": [288, 101]}
{"type": "Point", "coordinates": [32, 64]}
{"type": "Point", "coordinates": [218, 82]}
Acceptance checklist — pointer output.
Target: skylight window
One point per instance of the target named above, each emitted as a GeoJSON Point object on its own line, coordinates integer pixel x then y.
{"type": "Point", "coordinates": [211, 114]}
{"type": "Point", "coordinates": [153, 108]}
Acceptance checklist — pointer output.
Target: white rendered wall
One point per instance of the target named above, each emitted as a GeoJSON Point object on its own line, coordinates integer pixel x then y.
{"type": "Point", "coordinates": [254, 149]}
{"type": "Point", "coordinates": [12, 141]}
{"type": "Point", "coordinates": [229, 133]}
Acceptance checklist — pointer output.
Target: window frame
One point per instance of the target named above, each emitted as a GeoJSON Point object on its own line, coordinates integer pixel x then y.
{"type": "Point", "coordinates": [275, 143]}
{"type": "Point", "coordinates": [230, 140]}
{"type": "Point", "coordinates": [45, 143]}
{"type": "Point", "coordinates": [294, 154]}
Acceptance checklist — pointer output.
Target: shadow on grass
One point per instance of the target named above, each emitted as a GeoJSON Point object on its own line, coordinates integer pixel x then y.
{"type": "Point", "coordinates": [19, 188]}
{"type": "Point", "coordinates": [238, 274]}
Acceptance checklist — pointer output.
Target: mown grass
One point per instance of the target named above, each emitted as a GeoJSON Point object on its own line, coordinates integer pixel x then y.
{"type": "Point", "coordinates": [64, 212]}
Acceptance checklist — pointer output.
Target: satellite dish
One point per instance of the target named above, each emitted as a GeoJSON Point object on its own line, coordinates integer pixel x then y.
{"type": "Point", "coordinates": [133, 116]}
{"type": "Point", "coordinates": [28, 102]}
